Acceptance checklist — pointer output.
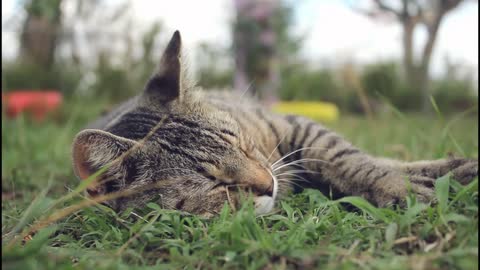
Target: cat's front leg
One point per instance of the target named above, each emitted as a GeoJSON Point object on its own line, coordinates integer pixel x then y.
{"type": "Point", "coordinates": [422, 175]}
{"type": "Point", "coordinates": [348, 170]}
{"type": "Point", "coordinates": [361, 175]}
{"type": "Point", "coordinates": [463, 170]}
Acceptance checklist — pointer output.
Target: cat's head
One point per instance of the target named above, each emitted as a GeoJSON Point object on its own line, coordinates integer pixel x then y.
{"type": "Point", "coordinates": [171, 147]}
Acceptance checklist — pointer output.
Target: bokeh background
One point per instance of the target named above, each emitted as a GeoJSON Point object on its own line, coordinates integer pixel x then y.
{"type": "Point", "coordinates": [361, 56]}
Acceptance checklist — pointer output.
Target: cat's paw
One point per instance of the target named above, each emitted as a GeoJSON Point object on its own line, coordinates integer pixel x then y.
{"type": "Point", "coordinates": [465, 171]}
{"type": "Point", "coordinates": [394, 189]}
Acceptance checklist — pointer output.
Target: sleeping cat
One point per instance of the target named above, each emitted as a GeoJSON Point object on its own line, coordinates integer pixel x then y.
{"type": "Point", "coordinates": [194, 151]}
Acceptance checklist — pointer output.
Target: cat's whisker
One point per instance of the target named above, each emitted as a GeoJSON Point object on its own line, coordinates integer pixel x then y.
{"type": "Point", "coordinates": [289, 181]}
{"type": "Point", "coordinates": [276, 147]}
{"type": "Point", "coordinates": [295, 151]}
{"type": "Point", "coordinates": [295, 175]}
{"type": "Point", "coordinates": [292, 162]}
{"type": "Point", "coordinates": [300, 166]}
{"type": "Point", "coordinates": [290, 153]}
{"type": "Point", "coordinates": [248, 88]}
{"type": "Point", "coordinates": [300, 161]}
{"type": "Point", "coordinates": [302, 171]}
{"type": "Point", "coordinates": [298, 179]}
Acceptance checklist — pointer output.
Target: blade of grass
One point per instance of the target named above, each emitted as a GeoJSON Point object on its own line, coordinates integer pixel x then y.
{"type": "Point", "coordinates": [365, 206]}
{"type": "Point", "coordinates": [442, 186]}
{"type": "Point", "coordinates": [37, 206]}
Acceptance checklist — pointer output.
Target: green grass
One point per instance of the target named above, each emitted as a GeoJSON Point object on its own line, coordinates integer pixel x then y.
{"type": "Point", "coordinates": [308, 230]}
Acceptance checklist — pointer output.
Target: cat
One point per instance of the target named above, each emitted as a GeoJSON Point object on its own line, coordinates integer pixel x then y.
{"type": "Point", "coordinates": [194, 151]}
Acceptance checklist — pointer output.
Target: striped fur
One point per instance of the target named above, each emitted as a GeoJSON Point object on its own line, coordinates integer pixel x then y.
{"type": "Point", "coordinates": [201, 150]}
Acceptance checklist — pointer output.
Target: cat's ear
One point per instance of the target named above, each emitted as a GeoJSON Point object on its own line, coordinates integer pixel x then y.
{"type": "Point", "coordinates": [165, 84]}
{"type": "Point", "coordinates": [93, 149]}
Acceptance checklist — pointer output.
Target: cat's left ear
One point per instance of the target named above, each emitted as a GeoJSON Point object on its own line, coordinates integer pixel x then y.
{"type": "Point", "coordinates": [165, 85]}
{"type": "Point", "coordinates": [94, 149]}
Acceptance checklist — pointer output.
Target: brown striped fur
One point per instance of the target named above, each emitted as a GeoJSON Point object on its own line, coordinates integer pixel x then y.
{"type": "Point", "coordinates": [199, 150]}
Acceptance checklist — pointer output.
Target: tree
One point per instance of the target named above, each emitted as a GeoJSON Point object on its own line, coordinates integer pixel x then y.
{"type": "Point", "coordinates": [261, 39]}
{"type": "Point", "coordinates": [94, 44]}
{"type": "Point", "coordinates": [40, 31]}
{"type": "Point", "coordinates": [50, 27]}
{"type": "Point", "coordinates": [410, 14]}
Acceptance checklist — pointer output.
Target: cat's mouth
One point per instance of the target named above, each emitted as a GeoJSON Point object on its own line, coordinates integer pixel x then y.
{"type": "Point", "coordinates": [264, 199]}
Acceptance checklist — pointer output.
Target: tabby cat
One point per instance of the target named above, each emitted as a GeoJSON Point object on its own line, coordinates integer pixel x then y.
{"type": "Point", "coordinates": [195, 151]}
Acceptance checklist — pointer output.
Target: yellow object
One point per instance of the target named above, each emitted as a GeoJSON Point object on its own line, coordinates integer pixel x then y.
{"type": "Point", "coordinates": [320, 111]}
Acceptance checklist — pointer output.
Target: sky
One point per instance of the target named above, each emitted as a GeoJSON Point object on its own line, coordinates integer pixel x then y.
{"type": "Point", "coordinates": [334, 32]}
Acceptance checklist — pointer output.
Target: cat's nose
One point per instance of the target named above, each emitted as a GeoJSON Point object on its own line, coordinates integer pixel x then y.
{"type": "Point", "coordinates": [269, 190]}
{"type": "Point", "coordinates": [263, 187]}
{"type": "Point", "coordinates": [259, 179]}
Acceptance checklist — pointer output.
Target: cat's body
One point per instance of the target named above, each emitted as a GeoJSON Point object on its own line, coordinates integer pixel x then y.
{"type": "Point", "coordinates": [202, 149]}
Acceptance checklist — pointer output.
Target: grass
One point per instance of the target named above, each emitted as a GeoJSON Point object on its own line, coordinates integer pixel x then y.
{"type": "Point", "coordinates": [308, 230]}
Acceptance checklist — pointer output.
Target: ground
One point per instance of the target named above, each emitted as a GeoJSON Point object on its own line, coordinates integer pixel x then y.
{"type": "Point", "coordinates": [45, 225]}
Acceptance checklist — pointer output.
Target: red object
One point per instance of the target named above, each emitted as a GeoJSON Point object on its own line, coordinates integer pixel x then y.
{"type": "Point", "coordinates": [38, 103]}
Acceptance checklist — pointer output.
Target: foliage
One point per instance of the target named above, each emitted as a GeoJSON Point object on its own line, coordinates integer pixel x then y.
{"type": "Point", "coordinates": [299, 83]}
{"type": "Point", "coordinates": [45, 9]}
{"type": "Point", "coordinates": [382, 83]}
{"type": "Point", "coordinates": [454, 94]}
{"type": "Point", "coordinates": [112, 80]}
{"type": "Point", "coordinates": [263, 40]}
{"type": "Point", "coordinates": [381, 78]}
{"type": "Point", "coordinates": [63, 77]}
{"type": "Point", "coordinates": [411, 14]}
{"type": "Point", "coordinates": [118, 81]}
{"type": "Point", "coordinates": [212, 72]}
{"type": "Point", "coordinates": [307, 231]}
{"type": "Point", "coordinates": [384, 80]}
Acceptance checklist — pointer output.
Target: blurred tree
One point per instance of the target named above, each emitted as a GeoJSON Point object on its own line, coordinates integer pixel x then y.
{"type": "Point", "coordinates": [67, 25]}
{"type": "Point", "coordinates": [300, 82]}
{"type": "Point", "coordinates": [62, 40]}
{"type": "Point", "coordinates": [120, 81]}
{"type": "Point", "coordinates": [40, 31]}
{"type": "Point", "coordinates": [410, 14]}
{"type": "Point", "coordinates": [261, 37]}
{"type": "Point", "coordinates": [90, 27]}
{"type": "Point", "coordinates": [455, 91]}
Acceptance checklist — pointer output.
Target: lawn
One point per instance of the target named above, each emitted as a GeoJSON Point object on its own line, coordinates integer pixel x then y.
{"type": "Point", "coordinates": [308, 230]}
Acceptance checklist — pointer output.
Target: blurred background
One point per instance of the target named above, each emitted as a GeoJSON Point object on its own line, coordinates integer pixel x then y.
{"type": "Point", "coordinates": [355, 56]}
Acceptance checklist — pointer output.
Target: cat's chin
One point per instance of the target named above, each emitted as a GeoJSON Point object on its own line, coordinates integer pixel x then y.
{"type": "Point", "coordinates": [264, 205]}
